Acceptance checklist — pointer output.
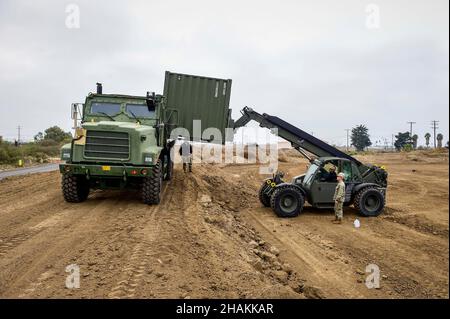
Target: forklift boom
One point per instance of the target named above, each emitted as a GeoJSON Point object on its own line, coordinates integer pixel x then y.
{"type": "Point", "coordinates": [299, 139]}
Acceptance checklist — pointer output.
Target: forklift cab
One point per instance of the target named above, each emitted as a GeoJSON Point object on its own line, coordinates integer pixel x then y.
{"type": "Point", "coordinates": [321, 189]}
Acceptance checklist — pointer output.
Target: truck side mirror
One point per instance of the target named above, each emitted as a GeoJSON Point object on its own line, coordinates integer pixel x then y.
{"type": "Point", "coordinates": [73, 111]}
{"type": "Point", "coordinates": [151, 105]}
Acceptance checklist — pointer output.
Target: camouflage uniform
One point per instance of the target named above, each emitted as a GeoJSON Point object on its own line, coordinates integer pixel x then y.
{"type": "Point", "coordinates": [339, 197]}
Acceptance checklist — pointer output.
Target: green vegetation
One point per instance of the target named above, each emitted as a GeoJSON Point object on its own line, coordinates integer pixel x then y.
{"type": "Point", "coordinates": [45, 145]}
{"type": "Point", "coordinates": [403, 141]}
{"type": "Point", "coordinates": [414, 139]}
{"type": "Point", "coordinates": [439, 138]}
{"type": "Point", "coordinates": [360, 138]}
{"type": "Point", "coordinates": [427, 139]}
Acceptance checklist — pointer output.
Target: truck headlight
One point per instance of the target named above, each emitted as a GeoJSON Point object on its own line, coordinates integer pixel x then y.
{"type": "Point", "coordinates": [148, 159]}
{"type": "Point", "coordinates": [66, 155]}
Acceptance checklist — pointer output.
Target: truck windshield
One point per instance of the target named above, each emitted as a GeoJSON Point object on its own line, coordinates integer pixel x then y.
{"type": "Point", "coordinates": [310, 173]}
{"type": "Point", "coordinates": [139, 110]}
{"type": "Point", "coordinates": [103, 108]}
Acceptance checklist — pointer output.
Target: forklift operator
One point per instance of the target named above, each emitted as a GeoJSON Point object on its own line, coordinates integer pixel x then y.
{"type": "Point", "coordinates": [329, 176]}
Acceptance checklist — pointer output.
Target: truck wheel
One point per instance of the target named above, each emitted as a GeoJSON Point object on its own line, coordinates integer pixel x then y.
{"type": "Point", "coordinates": [75, 188]}
{"type": "Point", "coordinates": [152, 185]}
{"type": "Point", "coordinates": [264, 198]}
{"type": "Point", "coordinates": [369, 202]}
{"type": "Point", "coordinates": [287, 201]}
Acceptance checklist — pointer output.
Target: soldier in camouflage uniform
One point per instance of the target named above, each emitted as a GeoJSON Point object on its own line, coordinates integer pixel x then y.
{"type": "Point", "coordinates": [339, 197]}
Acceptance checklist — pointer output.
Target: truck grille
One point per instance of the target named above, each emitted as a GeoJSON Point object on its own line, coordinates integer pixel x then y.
{"type": "Point", "coordinates": [107, 145]}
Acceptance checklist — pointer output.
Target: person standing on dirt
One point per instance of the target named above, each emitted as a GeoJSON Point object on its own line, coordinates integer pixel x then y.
{"type": "Point", "coordinates": [339, 197]}
{"type": "Point", "coordinates": [186, 155]}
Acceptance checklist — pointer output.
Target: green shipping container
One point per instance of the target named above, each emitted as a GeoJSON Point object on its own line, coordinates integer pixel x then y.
{"type": "Point", "coordinates": [192, 97]}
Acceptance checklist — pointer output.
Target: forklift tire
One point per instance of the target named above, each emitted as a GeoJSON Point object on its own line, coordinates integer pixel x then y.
{"type": "Point", "coordinates": [369, 202]}
{"type": "Point", "coordinates": [264, 198]}
{"type": "Point", "coordinates": [287, 201]}
{"type": "Point", "coordinates": [75, 188]}
{"type": "Point", "coordinates": [152, 186]}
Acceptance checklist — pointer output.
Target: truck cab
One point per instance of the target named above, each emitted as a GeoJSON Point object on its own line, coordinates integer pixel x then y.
{"type": "Point", "coordinates": [319, 190]}
{"type": "Point", "coordinates": [119, 144]}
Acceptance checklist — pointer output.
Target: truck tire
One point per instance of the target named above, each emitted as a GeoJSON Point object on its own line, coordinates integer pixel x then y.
{"type": "Point", "coordinates": [152, 186]}
{"type": "Point", "coordinates": [369, 202]}
{"type": "Point", "coordinates": [287, 201]}
{"type": "Point", "coordinates": [75, 188]}
{"type": "Point", "coordinates": [264, 198]}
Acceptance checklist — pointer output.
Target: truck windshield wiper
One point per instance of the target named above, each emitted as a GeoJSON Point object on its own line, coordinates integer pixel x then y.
{"type": "Point", "coordinates": [135, 117]}
{"type": "Point", "coordinates": [103, 113]}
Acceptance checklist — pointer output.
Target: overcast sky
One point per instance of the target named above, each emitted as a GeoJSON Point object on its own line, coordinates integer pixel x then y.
{"type": "Point", "coordinates": [322, 65]}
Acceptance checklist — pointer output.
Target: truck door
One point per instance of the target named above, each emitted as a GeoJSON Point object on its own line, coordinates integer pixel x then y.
{"type": "Point", "coordinates": [346, 168]}
{"type": "Point", "coordinates": [322, 191]}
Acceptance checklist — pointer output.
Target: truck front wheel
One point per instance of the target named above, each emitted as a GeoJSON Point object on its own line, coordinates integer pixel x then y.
{"type": "Point", "coordinates": [75, 188]}
{"type": "Point", "coordinates": [152, 186]}
{"type": "Point", "coordinates": [369, 202]}
{"type": "Point", "coordinates": [287, 201]}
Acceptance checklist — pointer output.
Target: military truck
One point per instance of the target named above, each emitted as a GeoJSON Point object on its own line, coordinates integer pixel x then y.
{"type": "Point", "coordinates": [125, 142]}
{"type": "Point", "coordinates": [365, 183]}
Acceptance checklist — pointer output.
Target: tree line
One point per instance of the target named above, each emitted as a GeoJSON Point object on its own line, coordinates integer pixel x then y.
{"type": "Point", "coordinates": [45, 145]}
{"type": "Point", "coordinates": [360, 139]}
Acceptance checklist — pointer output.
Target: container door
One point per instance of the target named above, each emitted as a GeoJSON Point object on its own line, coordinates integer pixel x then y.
{"type": "Point", "coordinates": [199, 104]}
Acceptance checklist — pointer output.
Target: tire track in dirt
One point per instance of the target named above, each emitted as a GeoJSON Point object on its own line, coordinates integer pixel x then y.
{"type": "Point", "coordinates": [49, 246]}
{"type": "Point", "coordinates": [312, 261]}
{"type": "Point", "coordinates": [139, 259]}
{"type": "Point", "coordinates": [100, 268]}
{"type": "Point", "coordinates": [339, 270]}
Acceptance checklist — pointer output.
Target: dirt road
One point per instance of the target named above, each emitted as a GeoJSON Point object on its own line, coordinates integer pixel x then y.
{"type": "Point", "coordinates": [211, 238]}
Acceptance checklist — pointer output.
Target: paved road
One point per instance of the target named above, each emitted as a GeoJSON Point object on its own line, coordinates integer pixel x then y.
{"type": "Point", "coordinates": [29, 170]}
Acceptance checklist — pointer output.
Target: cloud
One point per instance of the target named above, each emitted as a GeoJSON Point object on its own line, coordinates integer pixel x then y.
{"type": "Point", "coordinates": [313, 63]}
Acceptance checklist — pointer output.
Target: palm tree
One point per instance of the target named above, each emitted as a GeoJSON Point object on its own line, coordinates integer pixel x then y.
{"type": "Point", "coordinates": [439, 138]}
{"type": "Point", "coordinates": [427, 139]}
{"type": "Point", "coordinates": [415, 137]}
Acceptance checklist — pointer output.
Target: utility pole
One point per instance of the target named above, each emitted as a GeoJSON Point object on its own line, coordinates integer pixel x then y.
{"type": "Point", "coordinates": [348, 130]}
{"type": "Point", "coordinates": [434, 126]}
{"type": "Point", "coordinates": [411, 131]}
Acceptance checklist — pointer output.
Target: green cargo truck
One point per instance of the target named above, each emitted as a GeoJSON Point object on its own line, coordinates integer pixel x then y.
{"type": "Point", "coordinates": [125, 142]}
